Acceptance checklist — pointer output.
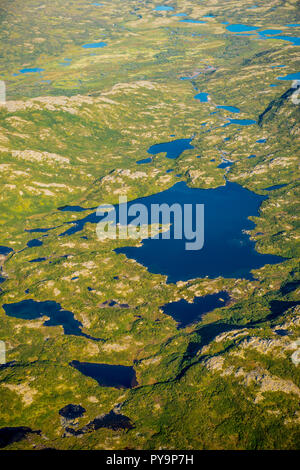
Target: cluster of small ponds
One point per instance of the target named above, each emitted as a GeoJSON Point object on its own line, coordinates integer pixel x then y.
{"type": "Point", "coordinates": [228, 252]}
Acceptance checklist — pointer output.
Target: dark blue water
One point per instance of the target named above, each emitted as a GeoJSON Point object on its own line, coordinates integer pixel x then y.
{"type": "Point", "coordinates": [107, 375]}
{"type": "Point", "coordinates": [72, 411]}
{"type": "Point", "coordinates": [261, 141]}
{"type": "Point", "coordinates": [227, 251]}
{"type": "Point", "coordinates": [31, 310]}
{"type": "Point", "coordinates": [172, 149]}
{"type": "Point", "coordinates": [2, 279]}
{"type": "Point", "coordinates": [74, 208]}
{"type": "Point", "coordinates": [34, 242]}
{"type": "Point", "coordinates": [5, 250]}
{"type": "Point", "coordinates": [39, 230]}
{"type": "Point", "coordinates": [289, 287]}
{"type": "Point", "coordinates": [94, 45]}
{"type": "Point", "coordinates": [240, 28]}
{"type": "Point", "coordinates": [9, 435]}
{"type": "Point", "coordinates": [276, 186]}
{"type": "Point", "coordinates": [37, 260]}
{"type": "Point", "coordinates": [231, 109]}
{"type": "Point", "coordinates": [202, 97]}
{"type": "Point", "coordinates": [185, 313]}
{"type": "Point", "coordinates": [145, 160]}
{"type": "Point", "coordinates": [251, 156]}
{"type": "Point", "coordinates": [282, 332]}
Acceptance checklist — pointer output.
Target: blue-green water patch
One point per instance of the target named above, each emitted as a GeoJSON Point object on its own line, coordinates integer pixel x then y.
{"type": "Point", "coordinates": [163, 8]}
{"type": "Point", "coordinates": [231, 109]}
{"type": "Point", "coordinates": [94, 45]}
{"type": "Point", "coordinates": [240, 28]}
{"type": "Point", "coordinates": [269, 32]}
{"type": "Point", "coordinates": [144, 160]}
{"type": "Point", "coordinates": [32, 70]}
{"type": "Point", "coordinates": [202, 97]}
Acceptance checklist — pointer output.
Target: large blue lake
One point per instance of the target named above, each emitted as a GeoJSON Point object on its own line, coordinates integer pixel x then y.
{"type": "Point", "coordinates": [227, 251]}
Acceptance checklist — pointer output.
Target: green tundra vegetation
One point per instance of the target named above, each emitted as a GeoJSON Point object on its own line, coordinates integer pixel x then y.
{"type": "Point", "coordinates": [71, 134]}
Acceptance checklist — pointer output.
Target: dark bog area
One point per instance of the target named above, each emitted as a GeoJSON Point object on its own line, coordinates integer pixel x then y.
{"type": "Point", "coordinates": [10, 435]}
